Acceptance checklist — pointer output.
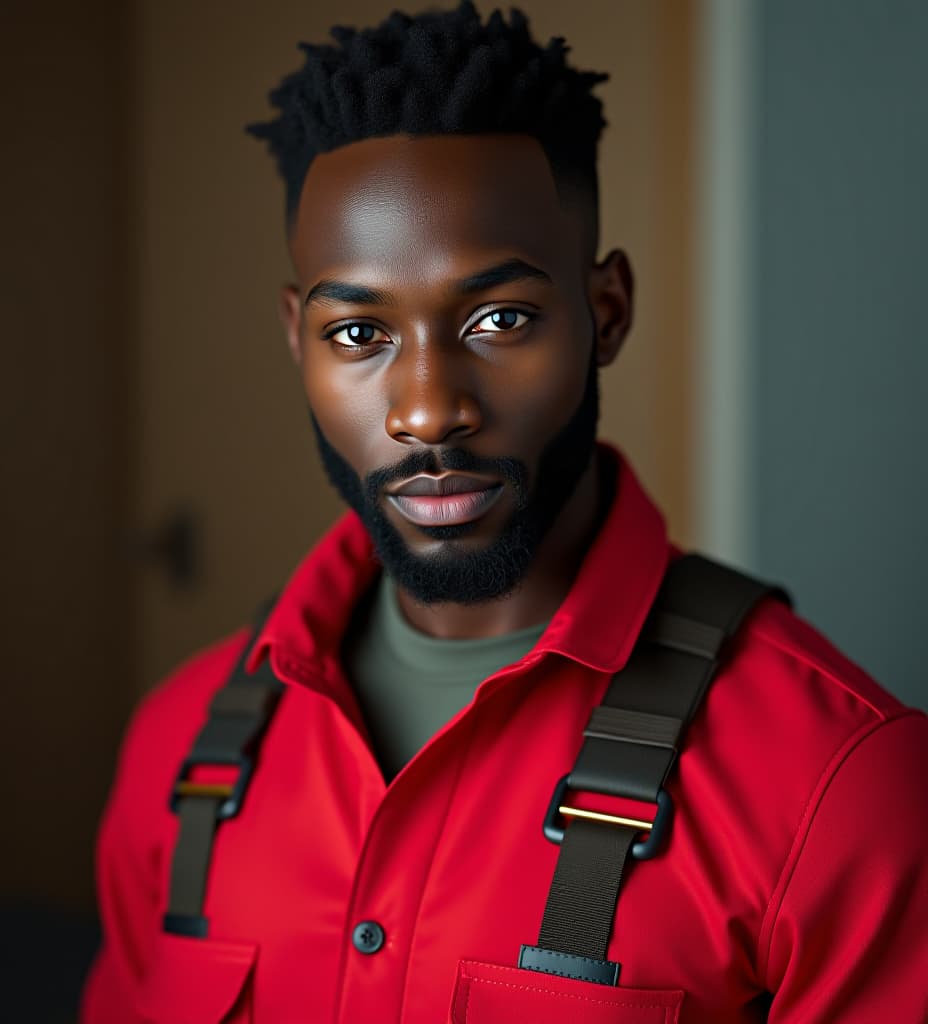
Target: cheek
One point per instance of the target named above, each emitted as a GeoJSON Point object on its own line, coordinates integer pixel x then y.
{"type": "Point", "coordinates": [347, 402]}
{"type": "Point", "coordinates": [536, 394]}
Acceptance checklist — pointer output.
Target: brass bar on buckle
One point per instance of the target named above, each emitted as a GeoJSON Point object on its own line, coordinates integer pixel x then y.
{"type": "Point", "coordinates": [223, 789]}
{"type": "Point", "coordinates": [610, 819]}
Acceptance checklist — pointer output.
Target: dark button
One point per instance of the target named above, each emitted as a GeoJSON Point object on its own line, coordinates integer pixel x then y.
{"type": "Point", "coordinates": [367, 937]}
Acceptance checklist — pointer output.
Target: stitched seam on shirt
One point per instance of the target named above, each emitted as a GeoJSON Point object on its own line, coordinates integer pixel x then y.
{"type": "Point", "coordinates": [572, 957]}
{"type": "Point", "coordinates": [806, 820]}
{"type": "Point", "coordinates": [577, 975]}
{"type": "Point", "coordinates": [559, 995]}
{"type": "Point", "coordinates": [465, 756]}
{"type": "Point", "coordinates": [818, 667]}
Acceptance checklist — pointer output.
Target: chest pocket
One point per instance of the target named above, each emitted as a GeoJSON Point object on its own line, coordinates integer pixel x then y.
{"type": "Point", "coordinates": [488, 994]}
{"type": "Point", "coordinates": [198, 981]}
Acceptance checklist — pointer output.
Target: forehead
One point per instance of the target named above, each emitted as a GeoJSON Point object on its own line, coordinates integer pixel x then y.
{"type": "Point", "coordinates": [416, 207]}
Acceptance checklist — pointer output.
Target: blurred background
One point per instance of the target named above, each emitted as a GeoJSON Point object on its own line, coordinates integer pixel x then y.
{"type": "Point", "coordinates": [765, 169]}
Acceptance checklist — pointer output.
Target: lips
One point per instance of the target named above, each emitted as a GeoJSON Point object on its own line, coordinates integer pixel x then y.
{"type": "Point", "coordinates": [447, 500]}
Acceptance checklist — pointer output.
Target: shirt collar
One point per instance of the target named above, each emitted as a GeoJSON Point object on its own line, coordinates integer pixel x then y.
{"type": "Point", "coordinates": [596, 625]}
{"type": "Point", "coordinates": [605, 608]}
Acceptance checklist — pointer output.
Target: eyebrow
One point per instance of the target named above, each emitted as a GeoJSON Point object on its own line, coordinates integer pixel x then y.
{"type": "Point", "coordinates": [502, 273]}
{"type": "Point", "coordinates": [341, 291]}
{"type": "Point", "coordinates": [328, 290]}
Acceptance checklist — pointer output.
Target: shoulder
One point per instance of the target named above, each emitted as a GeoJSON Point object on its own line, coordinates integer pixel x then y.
{"type": "Point", "coordinates": [785, 646]}
{"type": "Point", "coordinates": [178, 703]}
{"type": "Point", "coordinates": [787, 718]}
{"type": "Point", "coordinates": [818, 706]}
{"type": "Point", "coordinates": [785, 713]}
{"type": "Point", "coordinates": [785, 692]}
{"type": "Point", "coordinates": [839, 768]}
{"type": "Point", "coordinates": [163, 727]}
{"type": "Point", "coordinates": [797, 697]}
{"type": "Point", "coordinates": [772, 761]}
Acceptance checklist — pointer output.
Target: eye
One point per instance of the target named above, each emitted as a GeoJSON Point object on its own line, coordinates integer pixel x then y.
{"type": "Point", "coordinates": [500, 320]}
{"type": "Point", "coordinates": [356, 335]}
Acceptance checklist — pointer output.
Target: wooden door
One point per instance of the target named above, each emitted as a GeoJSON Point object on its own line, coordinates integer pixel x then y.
{"type": "Point", "coordinates": [67, 628]}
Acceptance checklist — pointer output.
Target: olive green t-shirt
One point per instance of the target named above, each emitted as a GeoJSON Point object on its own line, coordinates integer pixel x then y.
{"type": "Point", "coordinates": [410, 684]}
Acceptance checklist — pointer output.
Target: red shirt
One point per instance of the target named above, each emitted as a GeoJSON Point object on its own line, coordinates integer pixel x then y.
{"type": "Point", "coordinates": [796, 863]}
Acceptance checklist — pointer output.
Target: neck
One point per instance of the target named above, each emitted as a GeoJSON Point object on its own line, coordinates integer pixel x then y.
{"type": "Point", "coordinates": [544, 586]}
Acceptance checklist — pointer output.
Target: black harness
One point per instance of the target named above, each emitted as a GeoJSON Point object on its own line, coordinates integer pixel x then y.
{"type": "Point", "coordinates": [630, 745]}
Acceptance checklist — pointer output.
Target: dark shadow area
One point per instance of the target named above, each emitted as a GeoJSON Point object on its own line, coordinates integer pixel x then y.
{"type": "Point", "coordinates": [45, 956]}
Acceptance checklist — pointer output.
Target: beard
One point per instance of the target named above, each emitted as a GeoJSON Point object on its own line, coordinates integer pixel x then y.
{"type": "Point", "coordinates": [456, 573]}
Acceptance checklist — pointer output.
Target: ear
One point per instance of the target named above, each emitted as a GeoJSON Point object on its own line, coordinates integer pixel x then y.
{"type": "Point", "coordinates": [610, 291]}
{"type": "Point", "coordinates": [290, 311]}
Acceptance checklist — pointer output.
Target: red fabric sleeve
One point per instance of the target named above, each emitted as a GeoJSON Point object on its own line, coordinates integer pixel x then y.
{"type": "Point", "coordinates": [137, 832]}
{"type": "Point", "coordinates": [847, 930]}
{"type": "Point", "coordinates": [127, 894]}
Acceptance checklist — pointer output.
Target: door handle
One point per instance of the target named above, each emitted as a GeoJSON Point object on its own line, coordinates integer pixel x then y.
{"type": "Point", "coordinates": [174, 545]}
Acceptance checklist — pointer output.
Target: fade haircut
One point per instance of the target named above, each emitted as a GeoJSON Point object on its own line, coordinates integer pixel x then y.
{"type": "Point", "coordinates": [437, 73]}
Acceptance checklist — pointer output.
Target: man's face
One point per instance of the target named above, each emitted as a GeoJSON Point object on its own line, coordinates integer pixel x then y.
{"type": "Point", "coordinates": [448, 331]}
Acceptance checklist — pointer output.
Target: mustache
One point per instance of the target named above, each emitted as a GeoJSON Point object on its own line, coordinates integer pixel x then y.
{"type": "Point", "coordinates": [450, 459]}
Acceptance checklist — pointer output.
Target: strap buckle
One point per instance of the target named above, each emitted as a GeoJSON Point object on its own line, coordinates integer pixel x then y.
{"type": "Point", "coordinates": [234, 792]}
{"type": "Point", "coordinates": [657, 829]}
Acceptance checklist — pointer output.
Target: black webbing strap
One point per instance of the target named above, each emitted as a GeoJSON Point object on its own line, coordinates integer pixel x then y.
{"type": "Point", "coordinates": [238, 716]}
{"type": "Point", "coordinates": [630, 744]}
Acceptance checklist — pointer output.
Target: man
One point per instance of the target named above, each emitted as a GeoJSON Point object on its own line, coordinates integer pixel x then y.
{"type": "Point", "coordinates": [441, 650]}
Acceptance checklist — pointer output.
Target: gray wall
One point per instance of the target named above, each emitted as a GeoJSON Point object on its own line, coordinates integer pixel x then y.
{"type": "Point", "coordinates": [838, 300]}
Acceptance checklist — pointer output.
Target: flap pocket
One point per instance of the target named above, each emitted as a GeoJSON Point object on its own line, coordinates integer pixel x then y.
{"type": "Point", "coordinates": [196, 981]}
{"type": "Point", "coordinates": [488, 994]}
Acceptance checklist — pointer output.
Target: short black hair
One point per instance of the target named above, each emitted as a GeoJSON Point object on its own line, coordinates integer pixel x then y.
{"type": "Point", "coordinates": [437, 73]}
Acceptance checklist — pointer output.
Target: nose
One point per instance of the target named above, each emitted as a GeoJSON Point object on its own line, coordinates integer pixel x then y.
{"type": "Point", "coordinates": [431, 397]}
